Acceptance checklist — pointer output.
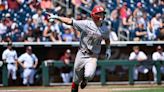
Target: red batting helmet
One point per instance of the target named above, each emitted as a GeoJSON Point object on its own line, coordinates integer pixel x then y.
{"type": "Point", "coordinates": [97, 9]}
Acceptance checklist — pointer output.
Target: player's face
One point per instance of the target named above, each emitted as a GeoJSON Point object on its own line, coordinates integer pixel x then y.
{"type": "Point", "coordinates": [160, 50]}
{"type": "Point", "coordinates": [10, 47]}
{"type": "Point", "coordinates": [101, 15]}
{"type": "Point", "coordinates": [136, 51]}
{"type": "Point", "coordinates": [29, 51]}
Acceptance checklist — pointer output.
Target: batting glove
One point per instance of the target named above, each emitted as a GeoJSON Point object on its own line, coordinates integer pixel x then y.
{"type": "Point", "coordinates": [51, 16]}
{"type": "Point", "coordinates": [108, 52]}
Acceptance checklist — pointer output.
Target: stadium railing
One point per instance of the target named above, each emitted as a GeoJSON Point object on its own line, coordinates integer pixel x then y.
{"type": "Point", "coordinates": [76, 44]}
{"type": "Point", "coordinates": [4, 74]}
{"type": "Point", "coordinates": [103, 64]}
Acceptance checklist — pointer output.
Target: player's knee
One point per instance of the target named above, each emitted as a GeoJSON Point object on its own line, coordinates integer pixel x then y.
{"type": "Point", "coordinates": [89, 76]}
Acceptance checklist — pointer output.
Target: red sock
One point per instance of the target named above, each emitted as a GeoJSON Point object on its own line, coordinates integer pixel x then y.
{"type": "Point", "coordinates": [74, 87]}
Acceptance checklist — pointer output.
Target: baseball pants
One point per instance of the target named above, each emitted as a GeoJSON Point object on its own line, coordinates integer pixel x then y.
{"type": "Point", "coordinates": [12, 70]}
{"type": "Point", "coordinates": [85, 66]}
{"type": "Point", "coordinates": [28, 76]}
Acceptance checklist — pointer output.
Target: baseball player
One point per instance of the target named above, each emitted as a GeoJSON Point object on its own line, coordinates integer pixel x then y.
{"type": "Point", "coordinates": [139, 56]}
{"type": "Point", "coordinates": [9, 56]}
{"type": "Point", "coordinates": [29, 62]}
{"type": "Point", "coordinates": [92, 33]}
{"type": "Point", "coordinates": [158, 56]}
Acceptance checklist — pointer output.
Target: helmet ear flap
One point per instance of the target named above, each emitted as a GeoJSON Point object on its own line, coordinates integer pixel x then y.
{"type": "Point", "coordinates": [92, 14]}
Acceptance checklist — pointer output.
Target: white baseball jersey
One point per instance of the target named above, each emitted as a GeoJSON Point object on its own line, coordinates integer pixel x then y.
{"type": "Point", "coordinates": [158, 56]}
{"type": "Point", "coordinates": [28, 60]}
{"type": "Point", "coordinates": [9, 55]}
{"type": "Point", "coordinates": [91, 35]}
{"type": "Point", "coordinates": [134, 56]}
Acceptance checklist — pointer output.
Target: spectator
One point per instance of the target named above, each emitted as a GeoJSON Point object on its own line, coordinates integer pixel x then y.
{"type": "Point", "coordinates": [14, 4]}
{"type": "Point", "coordinates": [66, 70]}
{"type": "Point", "coordinates": [151, 34]}
{"type": "Point", "coordinates": [15, 33]}
{"type": "Point", "coordinates": [77, 3]}
{"type": "Point", "coordinates": [9, 56]}
{"type": "Point", "coordinates": [139, 56]}
{"type": "Point", "coordinates": [2, 5]}
{"type": "Point", "coordinates": [124, 24]}
{"type": "Point", "coordinates": [115, 19]}
{"type": "Point", "coordinates": [29, 62]}
{"type": "Point", "coordinates": [138, 12]}
{"type": "Point", "coordinates": [68, 36]}
{"type": "Point", "coordinates": [140, 33]}
{"type": "Point", "coordinates": [156, 22]}
{"type": "Point", "coordinates": [33, 5]}
{"type": "Point", "coordinates": [158, 56]}
{"type": "Point", "coordinates": [3, 29]}
{"type": "Point", "coordinates": [27, 25]}
{"type": "Point", "coordinates": [51, 34]}
{"type": "Point", "coordinates": [161, 34]}
{"type": "Point", "coordinates": [113, 36]}
{"type": "Point", "coordinates": [38, 18]}
{"type": "Point", "coordinates": [46, 4]}
{"type": "Point", "coordinates": [29, 36]}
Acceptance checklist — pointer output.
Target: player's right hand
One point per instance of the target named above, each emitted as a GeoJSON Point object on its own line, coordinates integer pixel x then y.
{"type": "Point", "coordinates": [108, 53]}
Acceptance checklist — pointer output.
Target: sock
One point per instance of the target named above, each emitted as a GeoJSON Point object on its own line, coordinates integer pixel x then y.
{"type": "Point", "coordinates": [74, 87]}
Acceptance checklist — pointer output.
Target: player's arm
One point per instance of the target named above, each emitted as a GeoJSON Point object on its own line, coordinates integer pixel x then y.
{"type": "Point", "coordinates": [20, 61]}
{"type": "Point", "coordinates": [108, 49]}
{"type": "Point", "coordinates": [16, 63]}
{"type": "Point", "coordinates": [36, 61]}
{"type": "Point", "coordinates": [4, 56]}
{"type": "Point", "coordinates": [21, 64]}
{"type": "Point", "coordinates": [62, 19]}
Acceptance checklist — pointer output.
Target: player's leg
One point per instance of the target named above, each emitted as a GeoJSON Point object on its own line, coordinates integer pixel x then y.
{"type": "Point", "coordinates": [26, 74]}
{"type": "Point", "coordinates": [67, 75]}
{"type": "Point", "coordinates": [154, 70]}
{"type": "Point", "coordinates": [14, 77]}
{"type": "Point", "coordinates": [135, 73]}
{"type": "Point", "coordinates": [31, 76]}
{"type": "Point", "coordinates": [89, 71]}
{"type": "Point", "coordinates": [9, 69]}
{"type": "Point", "coordinates": [78, 72]}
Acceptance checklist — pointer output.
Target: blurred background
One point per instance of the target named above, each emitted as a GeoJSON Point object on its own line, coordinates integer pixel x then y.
{"type": "Point", "coordinates": [130, 22]}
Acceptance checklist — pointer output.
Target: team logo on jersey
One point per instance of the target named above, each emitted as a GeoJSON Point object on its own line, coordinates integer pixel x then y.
{"type": "Point", "coordinates": [100, 9]}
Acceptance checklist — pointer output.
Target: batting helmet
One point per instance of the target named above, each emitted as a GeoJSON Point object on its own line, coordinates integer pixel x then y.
{"type": "Point", "coordinates": [95, 10]}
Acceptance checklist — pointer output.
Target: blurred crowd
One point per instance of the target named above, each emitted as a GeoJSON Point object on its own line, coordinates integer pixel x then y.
{"type": "Point", "coordinates": [26, 20]}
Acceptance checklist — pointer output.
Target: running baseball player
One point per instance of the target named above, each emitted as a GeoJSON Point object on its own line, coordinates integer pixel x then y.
{"type": "Point", "coordinates": [92, 33]}
{"type": "Point", "coordinates": [9, 56]}
{"type": "Point", "coordinates": [29, 62]}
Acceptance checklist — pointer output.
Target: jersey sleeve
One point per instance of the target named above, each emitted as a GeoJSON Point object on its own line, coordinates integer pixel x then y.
{"type": "Point", "coordinates": [80, 25]}
{"type": "Point", "coordinates": [105, 31]}
{"type": "Point", "coordinates": [154, 57]}
{"type": "Point", "coordinates": [4, 55]}
{"type": "Point", "coordinates": [35, 58]}
{"type": "Point", "coordinates": [21, 58]}
{"type": "Point", "coordinates": [15, 56]}
{"type": "Point", "coordinates": [143, 55]}
{"type": "Point", "coordinates": [132, 56]}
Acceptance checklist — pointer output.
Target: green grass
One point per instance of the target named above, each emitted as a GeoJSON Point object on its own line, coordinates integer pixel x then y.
{"type": "Point", "coordinates": [142, 89]}
{"type": "Point", "coordinates": [145, 90]}
{"type": "Point", "coordinates": [91, 88]}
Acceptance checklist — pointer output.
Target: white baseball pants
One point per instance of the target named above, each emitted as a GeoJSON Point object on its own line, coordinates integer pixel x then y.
{"type": "Point", "coordinates": [84, 66]}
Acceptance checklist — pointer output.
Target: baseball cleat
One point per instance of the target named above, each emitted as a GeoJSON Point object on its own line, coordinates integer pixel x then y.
{"type": "Point", "coordinates": [74, 87]}
{"type": "Point", "coordinates": [83, 83]}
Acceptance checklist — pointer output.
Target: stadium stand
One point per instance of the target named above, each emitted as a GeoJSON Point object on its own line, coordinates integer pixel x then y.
{"type": "Point", "coordinates": [21, 11]}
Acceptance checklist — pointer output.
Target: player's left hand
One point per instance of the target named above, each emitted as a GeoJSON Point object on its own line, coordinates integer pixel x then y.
{"type": "Point", "coordinates": [52, 16]}
{"type": "Point", "coordinates": [108, 53]}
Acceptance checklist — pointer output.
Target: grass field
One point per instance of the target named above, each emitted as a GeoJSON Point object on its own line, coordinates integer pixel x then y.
{"type": "Point", "coordinates": [89, 88]}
